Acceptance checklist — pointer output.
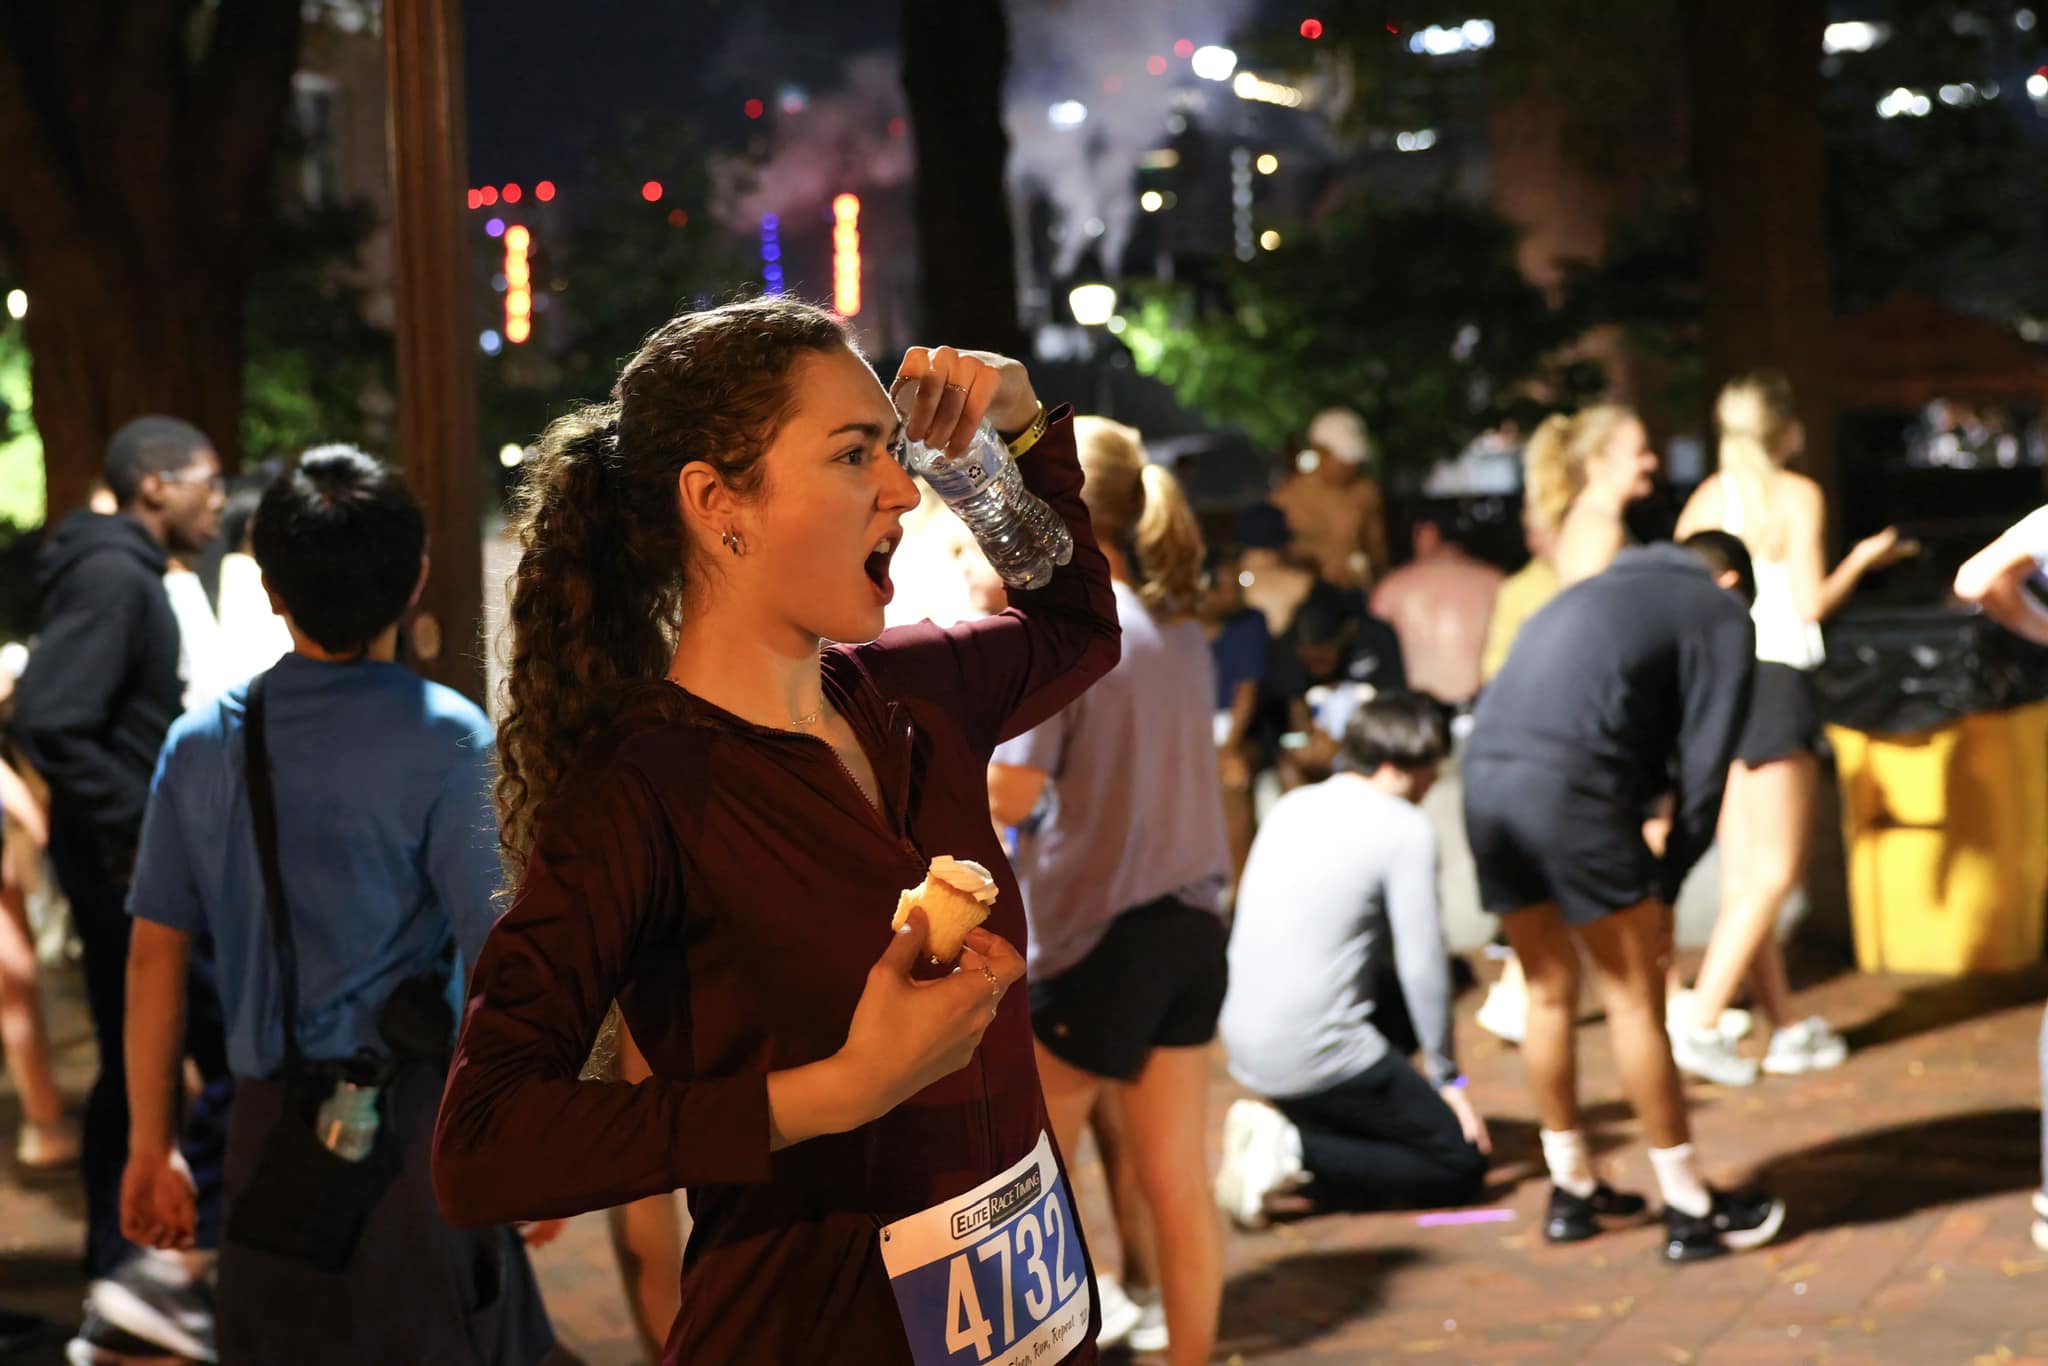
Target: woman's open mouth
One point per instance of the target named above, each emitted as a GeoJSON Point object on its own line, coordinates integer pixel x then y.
{"type": "Point", "coordinates": [877, 567]}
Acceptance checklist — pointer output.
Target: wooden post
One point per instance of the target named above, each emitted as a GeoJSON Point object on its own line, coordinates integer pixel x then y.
{"type": "Point", "coordinates": [436, 331]}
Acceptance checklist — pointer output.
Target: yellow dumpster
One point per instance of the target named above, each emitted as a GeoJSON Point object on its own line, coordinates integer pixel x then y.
{"type": "Point", "coordinates": [1946, 833]}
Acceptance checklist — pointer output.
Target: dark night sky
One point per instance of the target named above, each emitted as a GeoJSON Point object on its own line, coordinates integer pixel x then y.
{"type": "Point", "coordinates": [550, 79]}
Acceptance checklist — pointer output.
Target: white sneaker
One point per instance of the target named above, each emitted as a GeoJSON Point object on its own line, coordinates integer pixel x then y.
{"type": "Point", "coordinates": [1734, 1025]}
{"type": "Point", "coordinates": [1261, 1154]}
{"type": "Point", "coordinates": [1120, 1313]}
{"type": "Point", "coordinates": [2041, 1220]}
{"type": "Point", "coordinates": [154, 1297]}
{"type": "Point", "coordinates": [1150, 1334]}
{"type": "Point", "coordinates": [1504, 1013]}
{"type": "Point", "coordinates": [1711, 1056]}
{"type": "Point", "coordinates": [1809, 1046]}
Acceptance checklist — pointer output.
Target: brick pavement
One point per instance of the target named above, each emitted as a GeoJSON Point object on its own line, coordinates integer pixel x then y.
{"type": "Point", "coordinates": [1908, 1171]}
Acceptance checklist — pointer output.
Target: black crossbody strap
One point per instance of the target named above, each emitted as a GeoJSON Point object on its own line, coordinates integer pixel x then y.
{"type": "Point", "coordinates": [263, 808]}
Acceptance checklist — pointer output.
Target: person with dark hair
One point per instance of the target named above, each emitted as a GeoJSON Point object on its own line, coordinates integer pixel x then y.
{"type": "Point", "coordinates": [1625, 679]}
{"type": "Point", "coordinates": [716, 784]}
{"type": "Point", "coordinates": [378, 787]}
{"type": "Point", "coordinates": [1336, 924]}
{"type": "Point", "coordinates": [102, 687]}
{"type": "Point", "coordinates": [1439, 604]}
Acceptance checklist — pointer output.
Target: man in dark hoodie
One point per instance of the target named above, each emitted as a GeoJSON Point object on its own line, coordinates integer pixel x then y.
{"type": "Point", "coordinates": [1627, 686]}
{"type": "Point", "coordinates": [101, 690]}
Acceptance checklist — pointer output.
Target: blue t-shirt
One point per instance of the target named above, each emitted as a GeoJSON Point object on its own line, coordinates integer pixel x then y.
{"type": "Point", "coordinates": [385, 831]}
{"type": "Point", "coordinates": [1239, 650]}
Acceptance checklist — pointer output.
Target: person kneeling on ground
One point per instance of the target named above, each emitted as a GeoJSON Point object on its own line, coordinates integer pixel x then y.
{"type": "Point", "coordinates": [329, 825]}
{"type": "Point", "coordinates": [1633, 675]}
{"type": "Point", "coordinates": [1338, 901]}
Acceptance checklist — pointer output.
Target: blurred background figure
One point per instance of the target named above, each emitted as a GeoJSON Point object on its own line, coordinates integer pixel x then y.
{"type": "Point", "coordinates": [1767, 816]}
{"type": "Point", "coordinates": [1523, 593]}
{"type": "Point", "coordinates": [1123, 860]}
{"type": "Point", "coordinates": [252, 637]}
{"type": "Point", "coordinates": [1585, 471]}
{"type": "Point", "coordinates": [1440, 605]}
{"type": "Point", "coordinates": [1333, 505]}
{"type": "Point", "coordinates": [1239, 645]}
{"type": "Point", "coordinates": [47, 1140]}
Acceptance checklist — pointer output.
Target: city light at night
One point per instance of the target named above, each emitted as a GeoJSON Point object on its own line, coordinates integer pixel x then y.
{"type": "Point", "coordinates": [518, 284]}
{"type": "Point", "coordinates": [846, 255]}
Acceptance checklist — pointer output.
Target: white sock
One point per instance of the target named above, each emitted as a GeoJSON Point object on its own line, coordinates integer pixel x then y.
{"type": "Point", "coordinates": [1571, 1170]}
{"type": "Point", "coordinates": [1678, 1177]}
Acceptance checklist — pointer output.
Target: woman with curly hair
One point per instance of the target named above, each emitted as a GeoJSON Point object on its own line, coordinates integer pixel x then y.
{"type": "Point", "coordinates": [711, 800]}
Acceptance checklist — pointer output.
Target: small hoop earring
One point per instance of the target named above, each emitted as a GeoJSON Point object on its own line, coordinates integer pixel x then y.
{"type": "Point", "coordinates": [732, 542]}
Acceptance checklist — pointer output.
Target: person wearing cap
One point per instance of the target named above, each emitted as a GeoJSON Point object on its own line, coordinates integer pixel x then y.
{"type": "Point", "coordinates": [1333, 506]}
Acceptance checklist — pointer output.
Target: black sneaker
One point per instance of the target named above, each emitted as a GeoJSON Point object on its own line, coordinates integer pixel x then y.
{"type": "Point", "coordinates": [1573, 1219]}
{"type": "Point", "coordinates": [1736, 1222]}
{"type": "Point", "coordinates": [151, 1297]}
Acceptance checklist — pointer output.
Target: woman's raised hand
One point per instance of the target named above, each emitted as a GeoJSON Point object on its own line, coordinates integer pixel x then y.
{"type": "Point", "coordinates": [943, 395]}
{"type": "Point", "coordinates": [907, 1034]}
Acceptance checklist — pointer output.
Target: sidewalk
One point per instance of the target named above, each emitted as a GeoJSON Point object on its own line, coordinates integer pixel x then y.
{"type": "Point", "coordinates": [1908, 1172]}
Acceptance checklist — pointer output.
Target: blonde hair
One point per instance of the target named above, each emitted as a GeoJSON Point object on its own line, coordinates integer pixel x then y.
{"type": "Point", "coordinates": [1139, 506]}
{"type": "Point", "coordinates": [1554, 461]}
{"type": "Point", "coordinates": [1753, 414]}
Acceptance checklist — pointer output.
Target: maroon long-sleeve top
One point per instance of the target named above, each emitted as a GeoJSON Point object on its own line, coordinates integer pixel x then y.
{"type": "Point", "coordinates": [730, 886]}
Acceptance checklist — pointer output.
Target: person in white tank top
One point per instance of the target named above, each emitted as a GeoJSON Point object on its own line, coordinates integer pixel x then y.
{"type": "Point", "coordinates": [1767, 811]}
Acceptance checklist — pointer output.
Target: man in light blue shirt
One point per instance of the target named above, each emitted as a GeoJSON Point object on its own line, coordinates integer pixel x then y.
{"type": "Point", "coordinates": [387, 851]}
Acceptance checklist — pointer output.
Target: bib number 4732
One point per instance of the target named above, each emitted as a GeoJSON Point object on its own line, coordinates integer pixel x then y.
{"type": "Point", "coordinates": [1024, 1246]}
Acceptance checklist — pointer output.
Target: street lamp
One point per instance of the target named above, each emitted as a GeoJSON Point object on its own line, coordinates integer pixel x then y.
{"type": "Point", "coordinates": [1093, 305]}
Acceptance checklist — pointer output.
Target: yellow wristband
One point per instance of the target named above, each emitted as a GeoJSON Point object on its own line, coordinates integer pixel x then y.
{"type": "Point", "coordinates": [1032, 434]}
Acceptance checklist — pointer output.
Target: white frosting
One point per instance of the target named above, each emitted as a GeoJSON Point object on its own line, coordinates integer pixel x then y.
{"type": "Point", "coordinates": [965, 875]}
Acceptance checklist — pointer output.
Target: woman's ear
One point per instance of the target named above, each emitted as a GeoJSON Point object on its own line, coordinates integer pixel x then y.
{"type": "Point", "coordinates": [706, 503]}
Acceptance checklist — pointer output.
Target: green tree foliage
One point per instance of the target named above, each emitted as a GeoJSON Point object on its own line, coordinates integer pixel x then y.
{"type": "Point", "coordinates": [1416, 315]}
{"type": "Point", "coordinates": [318, 369]}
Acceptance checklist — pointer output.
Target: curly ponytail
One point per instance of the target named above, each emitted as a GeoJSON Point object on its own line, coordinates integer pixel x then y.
{"type": "Point", "coordinates": [1139, 508]}
{"type": "Point", "coordinates": [599, 588]}
{"type": "Point", "coordinates": [1554, 461]}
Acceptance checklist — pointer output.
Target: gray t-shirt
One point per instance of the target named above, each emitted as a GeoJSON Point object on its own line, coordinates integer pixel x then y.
{"type": "Point", "coordinates": [1342, 877]}
{"type": "Point", "coordinates": [1133, 808]}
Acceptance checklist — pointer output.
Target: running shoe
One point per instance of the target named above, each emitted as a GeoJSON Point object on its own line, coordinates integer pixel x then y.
{"type": "Point", "coordinates": [2041, 1220]}
{"type": "Point", "coordinates": [1712, 1057]}
{"type": "Point", "coordinates": [153, 1297]}
{"type": "Point", "coordinates": [1575, 1218]}
{"type": "Point", "coordinates": [1734, 1024]}
{"type": "Point", "coordinates": [1120, 1313]}
{"type": "Point", "coordinates": [1809, 1046]}
{"type": "Point", "coordinates": [1504, 1013]}
{"type": "Point", "coordinates": [1150, 1334]}
{"type": "Point", "coordinates": [1261, 1154]}
{"type": "Point", "coordinates": [100, 1343]}
{"type": "Point", "coordinates": [1736, 1222]}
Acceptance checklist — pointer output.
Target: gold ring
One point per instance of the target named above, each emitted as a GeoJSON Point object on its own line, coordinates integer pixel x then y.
{"type": "Point", "coordinates": [995, 990]}
{"type": "Point", "coordinates": [956, 388]}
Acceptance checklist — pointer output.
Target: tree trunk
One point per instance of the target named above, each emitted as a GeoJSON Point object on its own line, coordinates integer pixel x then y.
{"type": "Point", "coordinates": [138, 140]}
{"type": "Point", "coordinates": [955, 54]}
{"type": "Point", "coordinates": [1757, 164]}
{"type": "Point", "coordinates": [99, 357]}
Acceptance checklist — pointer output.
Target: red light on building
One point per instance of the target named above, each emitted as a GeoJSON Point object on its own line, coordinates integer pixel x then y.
{"type": "Point", "coordinates": [511, 194]}
{"type": "Point", "coordinates": [1184, 49]}
{"type": "Point", "coordinates": [1311, 29]}
{"type": "Point", "coordinates": [1156, 65]}
{"type": "Point", "coordinates": [651, 191]}
{"type": "Point", "coordinates": [678, 219]}
{"type": "Point", "coordinates": [755, 109]}
{"type": "Point", "coordinates": [487, 196]}
{"type": "Point", "coordinates": [544, 191]}
{"type": "Point", "coordinates": [476, 199]}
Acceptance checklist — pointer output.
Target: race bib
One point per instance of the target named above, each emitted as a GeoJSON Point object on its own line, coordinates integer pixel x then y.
{"type": "Point", "coordinates": [994, 1277]}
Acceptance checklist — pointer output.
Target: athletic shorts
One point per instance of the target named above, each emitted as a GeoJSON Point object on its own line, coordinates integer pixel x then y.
{"type": "Point", "coordinates": [1155, 981]}
{"type": "Point", "coordinates": [1536, 839]}
{"type": "Point", "coordinates": [1784, 715]}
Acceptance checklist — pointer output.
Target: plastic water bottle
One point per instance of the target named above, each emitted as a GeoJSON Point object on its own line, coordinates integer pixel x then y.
{"type": "Point", "coordinates": [1025, 540]}
{"type": "Point", "coordinates": [347, 1122]}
